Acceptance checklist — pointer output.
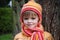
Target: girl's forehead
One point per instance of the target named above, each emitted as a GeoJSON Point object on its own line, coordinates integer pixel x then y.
{"type": "Point", "coordinates": [29, 13]}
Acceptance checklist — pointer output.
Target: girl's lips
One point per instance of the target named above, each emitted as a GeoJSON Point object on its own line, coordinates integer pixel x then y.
{"type": "Point", "coordinates": [29, 24]}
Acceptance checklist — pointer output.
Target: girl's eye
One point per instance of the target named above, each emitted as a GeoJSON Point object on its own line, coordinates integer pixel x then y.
{"type": "Point", "coordinates": [33, 18]}
{"type": "Point", "coordinates": [26, 18]}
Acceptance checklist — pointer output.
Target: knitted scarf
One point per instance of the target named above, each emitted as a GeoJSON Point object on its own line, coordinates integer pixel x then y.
{"type": "Point", "coordinates": [35, 34]}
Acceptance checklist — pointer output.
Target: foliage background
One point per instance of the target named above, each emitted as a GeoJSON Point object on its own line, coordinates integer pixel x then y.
{"type": "Point", "coordinates": [6, 20]}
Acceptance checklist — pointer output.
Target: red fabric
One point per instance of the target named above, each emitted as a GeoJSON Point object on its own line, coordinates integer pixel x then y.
{"type": "Point", "coordinates": [32, 33]}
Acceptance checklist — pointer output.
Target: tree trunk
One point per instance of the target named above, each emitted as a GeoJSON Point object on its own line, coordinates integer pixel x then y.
{"type": "Point", "coordinates": [16, 15]}
{"type": "Point", "coordinates": [51, 21]}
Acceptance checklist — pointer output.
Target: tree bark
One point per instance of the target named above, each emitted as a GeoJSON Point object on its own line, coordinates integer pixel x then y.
{"type": "Point", "coordinates": [16, 15]}
{"type": "Point", "coordinates": [51, 21]}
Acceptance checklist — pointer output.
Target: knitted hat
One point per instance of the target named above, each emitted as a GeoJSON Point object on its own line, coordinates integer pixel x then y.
{"type": "Point", "coordinates": [33, 6]}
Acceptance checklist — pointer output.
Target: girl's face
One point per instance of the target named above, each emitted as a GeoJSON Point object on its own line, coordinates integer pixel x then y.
{"type": "Point", "coordinates": [30, 19]}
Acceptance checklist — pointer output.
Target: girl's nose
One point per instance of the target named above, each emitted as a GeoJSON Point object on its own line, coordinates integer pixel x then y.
{"type": "Point", "coordinates": [29, 20]}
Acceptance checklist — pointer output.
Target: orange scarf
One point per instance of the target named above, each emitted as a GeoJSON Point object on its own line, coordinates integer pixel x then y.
{"type": "Point", "coordinates": [35, 34]}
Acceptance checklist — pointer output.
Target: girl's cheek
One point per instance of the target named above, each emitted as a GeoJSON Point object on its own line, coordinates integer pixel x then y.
{"type": "Point", "coordinates": [25, 21]}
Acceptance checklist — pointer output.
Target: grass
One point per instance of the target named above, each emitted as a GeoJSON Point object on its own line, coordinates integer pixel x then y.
{"type": "Point", "coordinates": [6, 37]}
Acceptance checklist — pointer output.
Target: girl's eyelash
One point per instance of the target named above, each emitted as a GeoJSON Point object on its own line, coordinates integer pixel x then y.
{"type": "Point", "coordinates": [28, 18]}
{"type": "Point", "coordinates": [32, 18]}
{"type": "Point", "coordinates": [25, 18]}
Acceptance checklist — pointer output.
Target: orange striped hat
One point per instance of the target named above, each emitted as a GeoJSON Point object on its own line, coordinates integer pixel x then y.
{"type": "Point", "coordinates": [33, 6]}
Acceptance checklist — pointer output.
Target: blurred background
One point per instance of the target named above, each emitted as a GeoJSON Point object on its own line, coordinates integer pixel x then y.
{"type": "Point", "coordinates": [6, 20]}
{"type": "Point", "coordinates": [10, 17]}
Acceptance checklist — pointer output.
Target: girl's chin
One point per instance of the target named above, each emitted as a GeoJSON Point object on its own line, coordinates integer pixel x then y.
{"type": "Point", "coordinates": [31, 27]}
